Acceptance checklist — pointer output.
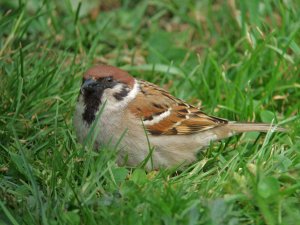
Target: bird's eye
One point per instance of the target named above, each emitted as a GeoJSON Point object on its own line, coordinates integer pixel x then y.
{"type": "Point", "coordinates": [109, 79]}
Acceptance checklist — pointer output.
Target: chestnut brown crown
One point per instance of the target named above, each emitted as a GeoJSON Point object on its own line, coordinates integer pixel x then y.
{"type": "Point", "coordinates": [102, 71]}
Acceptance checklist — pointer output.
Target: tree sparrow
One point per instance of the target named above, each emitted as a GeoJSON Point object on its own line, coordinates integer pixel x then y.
{"type": "Point", "coordinates": [142, 114]}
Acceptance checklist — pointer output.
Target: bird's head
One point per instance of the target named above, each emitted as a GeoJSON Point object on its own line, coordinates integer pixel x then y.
{"type": "Point", "coordinates": [108, 84]}
{"type": "Point", "coordinates": [106, 81]}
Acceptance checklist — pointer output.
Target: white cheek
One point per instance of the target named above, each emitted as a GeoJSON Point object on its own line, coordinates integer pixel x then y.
{"type": "Point", "coordinates": [108, 95]}
{"type": "Point", "coordinates": [112, 103]}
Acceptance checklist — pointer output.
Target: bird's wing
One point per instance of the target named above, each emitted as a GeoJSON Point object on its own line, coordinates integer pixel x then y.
{"type": "Point", "coordinates": [164, 114]}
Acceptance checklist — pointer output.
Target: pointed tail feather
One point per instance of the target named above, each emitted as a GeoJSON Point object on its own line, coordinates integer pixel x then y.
{"type": "Point", "coordinates": [233, 128]}
{"type": "Point", "coordinates": [248, 127]}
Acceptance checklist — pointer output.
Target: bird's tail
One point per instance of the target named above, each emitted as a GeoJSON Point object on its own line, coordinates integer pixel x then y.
{"type": "Point", "coordinates": [233, 128]}
{"type": "Point", "coordinates": [248, 127]}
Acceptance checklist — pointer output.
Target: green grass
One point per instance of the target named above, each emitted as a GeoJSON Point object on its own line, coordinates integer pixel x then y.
{"type": "Point", "coordinates": [238, 61]}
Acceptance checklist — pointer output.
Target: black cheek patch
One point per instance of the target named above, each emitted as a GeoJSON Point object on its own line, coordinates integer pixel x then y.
{"type": "Point", "coordinates": [122, 94]}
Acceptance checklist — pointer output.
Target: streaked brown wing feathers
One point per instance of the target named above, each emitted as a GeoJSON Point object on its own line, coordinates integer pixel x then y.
{"type": "Point", "coordinates": [182, 118]}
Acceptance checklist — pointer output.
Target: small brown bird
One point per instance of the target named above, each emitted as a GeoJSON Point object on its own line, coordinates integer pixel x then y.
{"type": "Point", "coordinates": [175, 129]}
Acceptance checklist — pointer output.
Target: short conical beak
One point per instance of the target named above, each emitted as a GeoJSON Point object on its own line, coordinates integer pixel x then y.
{"type": "Point", "coordinates": [88, 85]}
